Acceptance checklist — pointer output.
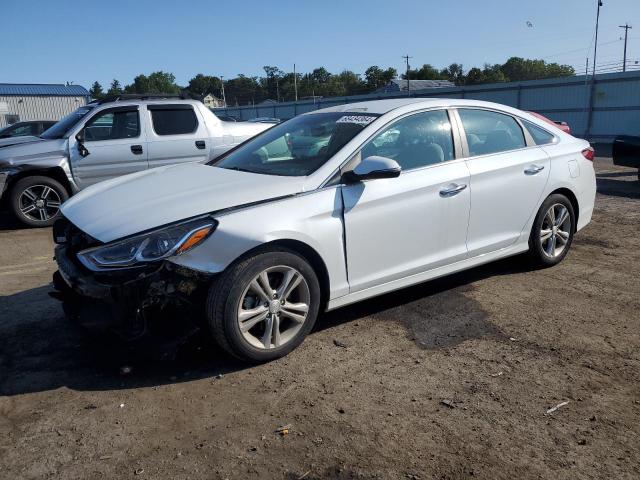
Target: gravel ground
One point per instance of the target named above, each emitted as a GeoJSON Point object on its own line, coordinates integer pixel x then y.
{"type": "Point", "coordinates": [449, 379]}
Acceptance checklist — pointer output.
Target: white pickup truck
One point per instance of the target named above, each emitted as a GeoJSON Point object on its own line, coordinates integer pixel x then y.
{"type": "Point", "coordinates": [105, 139]}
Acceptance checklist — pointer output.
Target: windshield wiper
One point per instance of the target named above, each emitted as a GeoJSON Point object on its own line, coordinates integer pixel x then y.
{"type": "Point", "coordinates": [239, 169]}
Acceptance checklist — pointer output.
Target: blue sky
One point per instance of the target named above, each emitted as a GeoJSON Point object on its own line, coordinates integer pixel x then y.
{"type": "Point", "coordinates": [83, 41]}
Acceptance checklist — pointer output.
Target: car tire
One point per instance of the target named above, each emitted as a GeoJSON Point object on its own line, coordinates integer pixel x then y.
{"type": "Point", "coordinates": [240, 291]}
{"type": "Point", "coordinates": [36, 200]}
{"type": "Point", "coordinates": [552, 231]}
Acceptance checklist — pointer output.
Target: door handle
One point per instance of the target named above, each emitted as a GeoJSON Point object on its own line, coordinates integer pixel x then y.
{"type": "Point", "coordinates": [200, 144]}
{"type": "Point", "coordinates": [533, 169]}
{"type": "Point", "coordinates": [452, 189]}
{"type": "Point", "coordinates": [136, 149]}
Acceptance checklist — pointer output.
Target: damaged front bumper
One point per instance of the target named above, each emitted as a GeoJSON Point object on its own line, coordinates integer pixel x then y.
{"type": "Point", "coordinates": [161, 297]}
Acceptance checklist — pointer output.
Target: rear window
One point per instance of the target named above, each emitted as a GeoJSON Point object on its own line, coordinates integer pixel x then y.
{"type": "Point", "coordinates": [170, 120]}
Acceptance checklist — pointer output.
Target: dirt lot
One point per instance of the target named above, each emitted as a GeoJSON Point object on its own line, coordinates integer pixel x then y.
{"type": "Point", "coordinates": [500, 344]}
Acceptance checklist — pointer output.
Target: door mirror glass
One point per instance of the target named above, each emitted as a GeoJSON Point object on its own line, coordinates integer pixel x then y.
{"type": "Point", "coordinates": [80, 138]}
{"type": "Point", "coordinates": [373, 167]}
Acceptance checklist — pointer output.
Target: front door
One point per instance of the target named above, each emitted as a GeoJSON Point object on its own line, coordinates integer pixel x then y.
{"type": "Point", "coordinates": [113, 145]}
{"type": "Point", "coordinates": [407, 225]}
{"type": "Point", "coordinates": [507, 179]}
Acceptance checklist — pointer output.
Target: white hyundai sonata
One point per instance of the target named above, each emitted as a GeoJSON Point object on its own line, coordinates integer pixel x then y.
{"type": "Point", "coordinates": [326, 209]}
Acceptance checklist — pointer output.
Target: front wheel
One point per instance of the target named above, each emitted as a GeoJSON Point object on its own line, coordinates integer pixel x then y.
{"type": "Point", "coordinates": [552, 231]}
{"type": "Point", "coordinates": [263, 307]}
{"type": "Point", "coordinates": [36, 201]}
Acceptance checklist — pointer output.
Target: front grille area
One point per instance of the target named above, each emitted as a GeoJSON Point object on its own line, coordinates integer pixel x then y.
{"type": "Point", "coordinates": [67, 234]}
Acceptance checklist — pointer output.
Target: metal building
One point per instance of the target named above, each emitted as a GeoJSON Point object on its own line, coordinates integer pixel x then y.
{"type": "Point", "coordinates": [20, 102]}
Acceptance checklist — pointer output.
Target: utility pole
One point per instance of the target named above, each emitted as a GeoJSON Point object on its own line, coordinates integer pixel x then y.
{"type": "Point", "coordinates": [295, 81]}
{"type": "Point", "coordinates": [587, 132]}
{"type": "Point", "coordinates": [407, 57]}
{"type": "Point", "coordinates": [626, 27]}
{"type": "Point", "coordinates": [586, 72]}
{"type": "Point", "coordinates": [224, 98]}
{"type": "Point", "coordinates": [595, 47]}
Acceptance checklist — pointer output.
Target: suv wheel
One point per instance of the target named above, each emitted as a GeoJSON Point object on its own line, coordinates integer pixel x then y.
{"type": "Point", "coordinates": [36, 201]}
{"type": "Point", "coordinates": [264, 306]}
{"type": "Point", "coordinates": [552, 231]}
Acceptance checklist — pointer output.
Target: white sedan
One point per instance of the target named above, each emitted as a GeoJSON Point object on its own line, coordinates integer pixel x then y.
{"type": "Point", "coordinates": [252, 246]}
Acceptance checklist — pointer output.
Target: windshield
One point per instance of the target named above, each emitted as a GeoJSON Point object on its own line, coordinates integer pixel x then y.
{"type": "Point", "coordinates": [297, 147]}
{"type": "Point", "coordinates": [58, 130]}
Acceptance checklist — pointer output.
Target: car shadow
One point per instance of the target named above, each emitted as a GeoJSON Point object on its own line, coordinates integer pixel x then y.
{"type": "Point", "coordinates": [619, 184]}
{"type": "Point", "coordinates": [40, 350]}
{"type": "Point", "coordinates": [8, 222]}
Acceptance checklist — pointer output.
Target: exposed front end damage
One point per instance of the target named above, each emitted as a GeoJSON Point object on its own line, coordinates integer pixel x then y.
{"type": "Point", "coordinates": [159, 298]}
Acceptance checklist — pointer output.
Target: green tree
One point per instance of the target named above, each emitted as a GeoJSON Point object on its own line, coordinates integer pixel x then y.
{"type": "Point", "coordinates": [202, 85]}
{"type": "Point", "coordinates": [114, 88]}
{"type": "Point", "coordinates": [271, 83]}
{"type": "Point", "coordinates": [518, 69]}
{"type": "Point", "coordinates": [352, 83]}
{"type": "Point", "coordinates": [375, 77]}
{"type": "Point", "coordinates": [244, 90]}
{"type": "Point", "coordinates": [454, 73]}
{"type": "Point", "coordinates": [426, 72]}
{"type": "Point", "coordinates": [156, 82]}
{"type": "Point", "coordinates": [96, 91]}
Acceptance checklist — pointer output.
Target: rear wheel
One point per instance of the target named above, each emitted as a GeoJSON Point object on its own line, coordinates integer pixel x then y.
{"type": "Point", "coordinates": [263, 307]}
{"type": "Point", "coordinates": [552, 231]}
{"type": "Point", "coordinates": [36, 200]}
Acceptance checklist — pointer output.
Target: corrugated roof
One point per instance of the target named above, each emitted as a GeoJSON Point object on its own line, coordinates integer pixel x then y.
{"type": "Point", "coordinates": [58, 90]}
{"type": "Point", "coordinates": [399, 85]}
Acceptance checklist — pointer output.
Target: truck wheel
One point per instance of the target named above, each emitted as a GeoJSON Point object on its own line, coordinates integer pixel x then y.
{"type": "Point", "coordinates": [552, 231]}
{"type": "Point", "coordinates": [263, 307]}
{"type": "Point", "coordinates": [36, 201]}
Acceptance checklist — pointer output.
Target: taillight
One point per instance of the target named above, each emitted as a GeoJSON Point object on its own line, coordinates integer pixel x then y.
{"type": "Point", "coordinates": [588, 153]}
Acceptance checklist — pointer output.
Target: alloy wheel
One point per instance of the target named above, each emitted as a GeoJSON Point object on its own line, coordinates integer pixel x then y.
{"type": "Point", "coordinates": [39, 203]}
{"type": "Point", "coordinates": [274, 307]}
{"type": "Point", "coordinates": [556, 230]}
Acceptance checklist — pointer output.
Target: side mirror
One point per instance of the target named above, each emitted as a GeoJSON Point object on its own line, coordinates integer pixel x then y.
{"type": "Point", "coordinates": [82, 150]}
{"type": "Point", "coordinates": [373, 167]}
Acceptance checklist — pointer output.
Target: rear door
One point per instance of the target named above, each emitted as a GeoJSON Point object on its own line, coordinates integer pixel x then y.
{"type": "Point", "coordinates": [508, 175]}
{"type": "Point", "coordinates": [176, 134]}
{"type": "Point", "coordinates": [113, 144]}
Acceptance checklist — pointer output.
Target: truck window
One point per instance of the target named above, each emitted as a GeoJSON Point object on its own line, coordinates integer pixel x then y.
{"type": "Point", "coordinates": [173, 120]}
{"type": "Point", "coordinates": [112, 125]}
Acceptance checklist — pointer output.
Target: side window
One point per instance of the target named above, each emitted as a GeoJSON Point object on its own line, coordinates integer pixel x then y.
{"type": "Point", "coordinates": [112, 125]}
{"type": "Point", "coordinates": [415, 141]}
{"type": "Point", "coordinates": [23, 130]}
{"type": "Point", "coordinates": [172, 120]}
{"type": "Point", "coordinates": [490, 132]}
{"type": "Point", "coordinates": [540, 135]}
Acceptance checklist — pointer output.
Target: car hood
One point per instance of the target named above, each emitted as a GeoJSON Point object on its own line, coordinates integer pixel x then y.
{"type": "Point", "coordinates": [141, 201]}
{"type": "Point", "coordinates": [19, 150]}
{"type": "Point", "coordinates": [6, 142]}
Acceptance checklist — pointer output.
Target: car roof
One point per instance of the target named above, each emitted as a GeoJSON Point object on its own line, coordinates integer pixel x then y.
{"type": "Point", "coordinates": [385, 106]}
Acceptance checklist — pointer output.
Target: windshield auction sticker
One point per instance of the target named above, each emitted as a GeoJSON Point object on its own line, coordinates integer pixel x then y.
{"type": "Point", "coordinates": [357, 119]}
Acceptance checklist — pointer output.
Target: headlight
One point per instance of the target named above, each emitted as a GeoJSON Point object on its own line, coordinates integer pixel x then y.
{"type": "Point", "coordinates": [149, 247]}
